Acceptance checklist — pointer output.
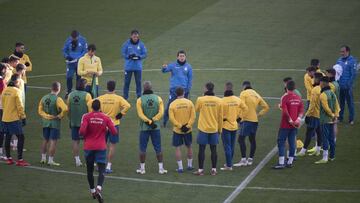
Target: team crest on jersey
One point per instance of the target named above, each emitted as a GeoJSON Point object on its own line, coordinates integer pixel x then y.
{"type": "Point", "coordinates": [47, 102]}
{"type": "Point", "coordinates": [76, 99]}
{"type": "Point", "coordinates": [150, 103]}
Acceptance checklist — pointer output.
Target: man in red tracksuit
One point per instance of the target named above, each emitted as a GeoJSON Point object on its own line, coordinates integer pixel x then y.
{"type": "Point", "coordinates": [94, 127]}
{"type": "Point", "coordinates": [292, 110]}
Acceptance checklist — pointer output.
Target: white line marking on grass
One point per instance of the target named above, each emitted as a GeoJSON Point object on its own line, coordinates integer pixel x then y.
{"type": "Point", "coordinates": [132, 179]}
{"type": "Point", "coordinates": [251, 176]}
{"type": "Point", "coordinates": [195, 69]}
{"type": "Point", "coordinates": [302, 190]}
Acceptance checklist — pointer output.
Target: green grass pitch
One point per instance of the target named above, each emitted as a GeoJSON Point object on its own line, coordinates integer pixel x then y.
{"type": "Point", "coordinates": [248, 39]}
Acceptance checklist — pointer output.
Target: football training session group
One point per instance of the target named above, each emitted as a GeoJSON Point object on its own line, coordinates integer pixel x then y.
{"type": "Point", "coordinates": [173, 101]}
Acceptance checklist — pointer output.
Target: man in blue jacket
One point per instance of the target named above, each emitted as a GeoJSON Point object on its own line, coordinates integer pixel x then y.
{"type": "Point", "coordinates": [74, 48]}
{"type": "Point", "coordinates": [346, 81]}
{"type": "Point", "coordinates": [181, 76]}
{"type": "Point", "coordinates": [134, 52]}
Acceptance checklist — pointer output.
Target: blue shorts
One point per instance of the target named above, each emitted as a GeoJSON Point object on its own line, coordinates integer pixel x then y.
{"type": "Point", "coordinates": [180, 139]}
{"type": "Point", "coordinates": [51, 133]}
{"type": "Point", "coordinates": [96, 156]}
{"type": "Point", "coordinates": [155, 139]}
{"type": "Point", "coordinates": [248, 128]}
{"type": "Point", "coordinates": [75, 134]}
{"type": "Point", "coordinates": [113, 139]}
{"type": "Point", "coordinates": [208, 138]}
{"type": "Point", "coordinates": [312, 122]}
{"type": "Point", "coordinates": [13, 128]}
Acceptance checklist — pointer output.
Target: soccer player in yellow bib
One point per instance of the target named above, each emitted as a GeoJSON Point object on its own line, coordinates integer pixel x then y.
{"type": "Point", "coordinates": [88, 66]}
{"type": "Point", "coordinates": [115, 107]}
{"type": "Point", "coordinates": [249, 123]}
{"type": "Point", "coordinates": [24, 59]}
{"type": "Point", "coordinates": [312, 119]}
{"type": "Point", "coordinates": [182, 116]}
{"type": "Point", "coordinates": [233, 108]}
{"type": "Point", "coordinates": [210, 125]}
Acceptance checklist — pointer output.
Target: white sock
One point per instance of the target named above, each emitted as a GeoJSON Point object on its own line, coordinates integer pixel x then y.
{"type": "Point", "coordinates": [43, 157]}
{"type": "Point", "coordinates": [201, 170]}
{"type": "Point", "coordinates": [189, 162]}
{"type": "Point", "coordinates": [180, 164]}
{"type": "Point", "coordinates": [1, 150]}
{"type": "Point", "coordinates": [51, 159]}
{"type": "Point", "coordinates": [290, 161]}
{"type": "Point", "coordinates": [325, 155]}
{"type": "Point", "coordinates": [281, 160]}
{"type": "Point", "coordinates": [77, 159]}
{"type": "Point", "coordinates": [243, 159]}
{"type": "Point", "coordinates": [99, 187]}
{"type": "Point", "coordinates": [287, 153]}
{"type": "Point", "coordinates": [213, 169]}
{"type": "Point", "coordinates": [303, 150]}
{"type": "Point", "coordinates": [108, 166]}
{"type": "Point", "coordinates": [318, 149]}
{"type": "Point", "coordinates": [161, 166]}
{"type": "Point", "coordinates": [142, 166]}
{"type": "Point", "coordinates": [92, 190]}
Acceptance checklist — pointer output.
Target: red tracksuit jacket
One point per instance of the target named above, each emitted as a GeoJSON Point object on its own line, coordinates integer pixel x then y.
{"type": "Point", "coordinates": [291, 106]}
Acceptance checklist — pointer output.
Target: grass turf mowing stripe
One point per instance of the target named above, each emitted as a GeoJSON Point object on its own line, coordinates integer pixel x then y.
{"type": "Point", "coordinates": [251, 176]}
{"type": "Point", "coordinates": [302, 189]}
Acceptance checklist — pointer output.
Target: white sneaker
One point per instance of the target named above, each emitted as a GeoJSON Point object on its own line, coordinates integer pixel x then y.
{"type": "Point", "coordinates": [226, 168]}
{"type": "Point", "coordinates": [249, 161]}
{"type": "Point", "coordinates": [162, 171]}
{"type": "Point", "coordinates": [78, 164]}
{"type": "Point", "coordinates": [241, 163]}
{"type": "Point", "coordinates": [140, 171]}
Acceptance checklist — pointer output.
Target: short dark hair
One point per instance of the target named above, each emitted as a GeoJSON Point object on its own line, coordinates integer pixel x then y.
{"type": "Point", "coordinates": [19, 44]}
{"type": "Point", "coordinates": [318, 75]}
{"type": "Point", "coordinates": [331, 71]}
{"type": "Point", "coordinates": [347, 48]}
{"type": "Point", "coordinates": [325, 79]}
{"type": "Point", "coordinates": [2, 67]}
{"type": "Point", "coordinates": [179, 91]}
{"type": "Point", "coordinates": [228, 86]}
{"type": "Point", "coordinates": [96, 105]}
{"type": "Point", "coordinates": [290, 85]}
{"type": "Point", "coordinates": [55, 86]}
{"type": "Point", "coordinates": [20, 67]}
{"type": "Point", "coordinates": [287, 79]}
{"type": "Point", "coordinates": [13, 58]}
{"type": "Point", "coordinates": [210, 86]}
{"type": "Point", "coordinates": [80, 85]}
{"type": "Point", "coordinates": [74, 34]}
{"type": "Point", "coordinates": [181, 52]}
{"type": "Point", "coordinates": [5, 60]}
{"type": "Point", "coordinates": [91, 47]}
{"type": "Point", "coordinates": [246, 83]}
{"type": "Point", "coordinates": [134, 31]}
{"type": "Point", "coordinates": [310, 69]}
{"type": "Point", "coordinates": [314, 62]}
{"type": "Point", "coordinates": [111, 85]}
{"type": "Point", "coordinates": [13, 78]}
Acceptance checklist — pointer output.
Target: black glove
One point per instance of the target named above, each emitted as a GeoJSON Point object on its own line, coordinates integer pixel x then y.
{"type": "Point", "coordinates": [119, 116]}
{"type": "Point", "coordinates": [184, 129]}
{"type": "Point", "coordinates": [131, 56]}
{"type": "Point", "coordinates": [27, 64]}
{"type": "Point", "coordinates": [152, 125]}
{"type": "Point", "coordinates": [69, 58]}
{"type": "Point", "coordinates": [307, 120]}
{"type": "Point", "coordinates": [238, 120]}
{"type": "Point", "coordinates": [23, 122]}
{"type": "Point", "coordinates": [136, 58]}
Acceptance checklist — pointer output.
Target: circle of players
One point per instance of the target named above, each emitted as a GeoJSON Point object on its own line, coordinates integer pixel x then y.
{"type": "Point", "coordinates": [96, 119]}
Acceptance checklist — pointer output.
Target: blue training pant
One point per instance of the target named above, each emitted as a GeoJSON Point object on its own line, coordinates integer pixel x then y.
{"type": "Point", "coordinates": [71, 69]}
{"type": "Point", "coordinates": [127, 81]}
{"type": "Point", "coordinates": [328, 134]}
{"type": "Point", "coordinates": [346, 95]}
{"type": "Point", "coordinates": [228, 138]}
{"type": "Point", "coordinates": [290, 135]}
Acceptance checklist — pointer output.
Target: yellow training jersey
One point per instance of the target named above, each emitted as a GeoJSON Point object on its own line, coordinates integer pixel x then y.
{"type": "Point", "coordinates": [324, 103]}
{"type": "Point", "coordinates": [9, 72]}
{"type": "Point", "coordinates": [210, 110]}
{"type": "Point", "coordinates": [233, 108]}
{"type": "Point", "coordinates": [88, 64]}
{"type": "Point", "coordinates": [13, 109]}
{"type": "Point", "coordinates": [182, 112]}
{"type": "Point", "coordinates": [252, 100]}
{"type": "Point", "coordinates": [308, 82]}
{"type": "Point", "coordinates": [112, 105]}
{"type": "Point", "coordinates": [314, 107]}
{"type": "Point", "coordinates": [23, 60]}
{"type": "Point", "coordinates": [61, 106]}
{"type": "Point", "coordinates": [22, 90]}
{"type": "Point", "coordinates": [332, 87]}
